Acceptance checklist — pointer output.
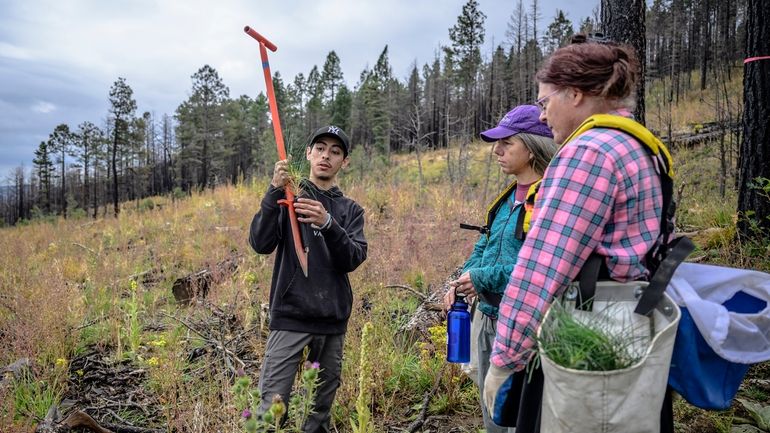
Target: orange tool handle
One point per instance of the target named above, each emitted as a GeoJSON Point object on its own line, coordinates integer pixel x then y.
{"type": "Point", "coordinates": [261, 39]}
{"type": "Point", "coordinates": [281, 147]}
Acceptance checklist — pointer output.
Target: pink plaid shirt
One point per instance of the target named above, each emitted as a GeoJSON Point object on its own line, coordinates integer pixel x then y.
{"type": "Point", "coordinates": [600, 193]}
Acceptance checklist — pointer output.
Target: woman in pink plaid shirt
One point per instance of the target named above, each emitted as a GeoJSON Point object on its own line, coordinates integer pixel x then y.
{"type": "Point", "coordinates": [600, 194]}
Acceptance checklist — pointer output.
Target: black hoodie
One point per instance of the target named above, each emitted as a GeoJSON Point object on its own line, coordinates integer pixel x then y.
{"type": "Point", "coordinates": [321, 302]}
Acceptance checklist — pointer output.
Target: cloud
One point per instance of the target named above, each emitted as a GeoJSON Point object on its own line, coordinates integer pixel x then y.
{"type": "Point", "coordinates": [59, 59]}
{"type": "Point", "coordinates": [14, 52]}
{"type": "Point", "coordinates": [43, 107]}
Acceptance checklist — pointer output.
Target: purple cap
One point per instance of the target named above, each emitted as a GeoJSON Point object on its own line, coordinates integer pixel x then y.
{"type": "Point", "coordinates": [522, 119]}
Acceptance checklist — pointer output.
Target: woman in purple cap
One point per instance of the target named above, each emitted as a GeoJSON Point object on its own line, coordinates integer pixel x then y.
{"type": "Point", "coordinates": [524, 146]}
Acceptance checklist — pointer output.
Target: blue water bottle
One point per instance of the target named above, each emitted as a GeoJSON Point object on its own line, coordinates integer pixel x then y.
{"type": "Point", "coordinates": [458, 345]}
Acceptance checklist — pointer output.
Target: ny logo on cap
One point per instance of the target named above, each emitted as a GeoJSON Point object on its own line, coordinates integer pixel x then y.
{"type": "Point", "coordinates": [334, 130]}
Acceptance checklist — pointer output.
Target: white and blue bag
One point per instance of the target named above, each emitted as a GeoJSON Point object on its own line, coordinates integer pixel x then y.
{"type": "Point", "coordinates": [725, 327]}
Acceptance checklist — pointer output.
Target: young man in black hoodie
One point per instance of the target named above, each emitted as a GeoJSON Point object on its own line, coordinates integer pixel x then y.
{"type": "Point", "coordinates": [310, 311]}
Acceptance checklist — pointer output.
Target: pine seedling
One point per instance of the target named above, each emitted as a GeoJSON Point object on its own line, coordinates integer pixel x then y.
{"type": "Point", "coordinates": [599, 344]}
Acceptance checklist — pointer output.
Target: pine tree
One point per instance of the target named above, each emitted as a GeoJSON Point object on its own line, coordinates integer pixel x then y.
{"type": "Point", "coordinates": [88, 139]}
{"type": "Point", "coordinates": [122, 108]}
{"type": "Point", "coordinates": [167, 146]}
{"type": "Point", "coordinates": [341, 108]}
{"type": "Point", "coordinates": [464, 55]}
{"type": "Point", "coordinates": [315, 116]}
{"type": "Point", "coordinates": [60, 142]}
{"type": "Point", "coordinates": [245, 120]}
{"type": "Point", "coordinates": [379, 99]}
{"type": "Point", "coordinates": [559, 32]}
{"type": "Point", "coordinates": [331, 78]}
{"type": "Point", "coordinates": [43, 168]}
{"type": "Point", "coordinates": [206, 103]}
{"type": "Point", "coordinates": [292, 107]}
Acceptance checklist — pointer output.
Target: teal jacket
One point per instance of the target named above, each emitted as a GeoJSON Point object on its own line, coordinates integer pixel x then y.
{"type": "Point", "coordinates": [495, 253]}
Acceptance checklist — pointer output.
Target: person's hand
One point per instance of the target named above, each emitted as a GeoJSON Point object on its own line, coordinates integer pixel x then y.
{"type": "Point", "coordinates": [281, 173]}
{"type": "Point", "coordinates": [449, 298]}
{"type": "Point", "coordinates": [311, 211]}
{"type": "Point", "coordinates": [494, 379]}
{"type": "Point", "coordinates": [464, 285]}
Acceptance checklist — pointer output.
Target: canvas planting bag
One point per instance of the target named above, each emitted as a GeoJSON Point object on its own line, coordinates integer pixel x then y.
{"type": "Point", "coordinates": [627, 400]}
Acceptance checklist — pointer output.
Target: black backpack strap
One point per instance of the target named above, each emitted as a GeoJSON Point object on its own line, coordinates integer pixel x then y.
{"type": "Point", "coordinates": [594, 269]}
{"type": "Point", "coordinates": [519, 234]}
{"type": "Point", "coordinates": [680, 249]}
{"type": "Point", "coordinates": [658, 252]}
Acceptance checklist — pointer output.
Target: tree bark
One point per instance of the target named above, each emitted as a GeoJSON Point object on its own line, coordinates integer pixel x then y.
{"type": "Point", "coordinates": [623, 21]}
{"type": "Point", "coordinates": [753, 202]}
{"type": "Point", "coordinates": [116, 206]}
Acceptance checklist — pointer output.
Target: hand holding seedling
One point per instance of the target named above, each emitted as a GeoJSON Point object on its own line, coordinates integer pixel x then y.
{"type": "Point", "coordinates": [311, 211]}
{"type": "Point", "coordinates": [281, 173]}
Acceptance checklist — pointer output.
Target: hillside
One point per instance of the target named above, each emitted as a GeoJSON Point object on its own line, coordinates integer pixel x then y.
{"type": "Point", "coordinates": [90, 303]}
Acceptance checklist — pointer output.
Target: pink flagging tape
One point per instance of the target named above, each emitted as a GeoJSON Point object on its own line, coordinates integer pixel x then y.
{"type": "Point", "coordinates": [752, 59]}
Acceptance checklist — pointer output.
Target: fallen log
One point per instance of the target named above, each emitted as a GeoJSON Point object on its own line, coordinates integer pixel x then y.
{"type": "Point", "coordinates": [430, 312]}
{"type": "Point", "coordinates": [197, 284]}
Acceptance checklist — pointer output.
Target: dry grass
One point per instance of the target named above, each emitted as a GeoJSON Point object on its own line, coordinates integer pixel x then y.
{"type": "Point", "coordinates": [693, 107]}
{"type": "Point", "coordinates": [68, 284]}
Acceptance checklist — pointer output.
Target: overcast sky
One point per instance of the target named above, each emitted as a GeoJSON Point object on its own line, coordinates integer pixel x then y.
{"type": "Point", "coordinates": [58, 58]}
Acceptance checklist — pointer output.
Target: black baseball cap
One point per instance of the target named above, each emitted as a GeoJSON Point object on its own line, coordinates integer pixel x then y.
{"type": "Point", "coordinates": [332, 131]}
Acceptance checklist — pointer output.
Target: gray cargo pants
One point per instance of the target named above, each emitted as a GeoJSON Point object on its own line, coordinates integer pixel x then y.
{"type": "Point", "coordinates": [279, 369]}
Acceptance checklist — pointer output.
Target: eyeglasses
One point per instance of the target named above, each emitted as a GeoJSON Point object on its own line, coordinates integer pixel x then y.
{"type": "Point", "coordinates": [543, 102]}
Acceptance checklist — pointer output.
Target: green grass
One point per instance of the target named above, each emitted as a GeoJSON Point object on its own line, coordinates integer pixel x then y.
{"type": "Point", "coordinates": [587, 345]}
{"type": "Point", "coordinates": [33, 397]}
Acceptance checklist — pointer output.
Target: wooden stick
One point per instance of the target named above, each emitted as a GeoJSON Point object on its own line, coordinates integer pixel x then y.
{"type": "Point", "coordinates": [422, 296]}
{"type": "Point", "coordinates": [420, 420]}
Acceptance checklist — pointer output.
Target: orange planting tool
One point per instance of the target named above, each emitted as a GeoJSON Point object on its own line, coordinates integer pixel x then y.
{"type": "Point", "coordinates": [264, 44]}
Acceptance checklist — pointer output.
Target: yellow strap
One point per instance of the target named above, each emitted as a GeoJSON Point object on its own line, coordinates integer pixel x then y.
{"type": "Point", "coordinates": [497, 199]}
{"type": "Point", "coordinates": [532, 192]}
{"type": "Point", "coordinates": [631, 127]}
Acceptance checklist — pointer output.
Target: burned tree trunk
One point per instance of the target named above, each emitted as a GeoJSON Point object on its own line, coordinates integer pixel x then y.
{"type": "Point", "coordinates": [754, 192]}
{"type": "Point", "coordinates": [623, 21]}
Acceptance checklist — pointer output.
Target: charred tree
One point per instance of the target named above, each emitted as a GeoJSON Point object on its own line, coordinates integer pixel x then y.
{"type": "Point", "coordinates": [623, 21]}
{"type": "Point", "coordinates": [754, 190]}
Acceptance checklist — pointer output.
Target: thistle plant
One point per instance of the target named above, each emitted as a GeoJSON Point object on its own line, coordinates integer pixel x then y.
{"type": "Point", "coordinates": [248, 400]}
{"type": "Point", "coordinates": [598, 344]}
{"type": "Point", "coordinates": [365, 383]}
{"type": "Point", "coordinates": [302, 401]}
